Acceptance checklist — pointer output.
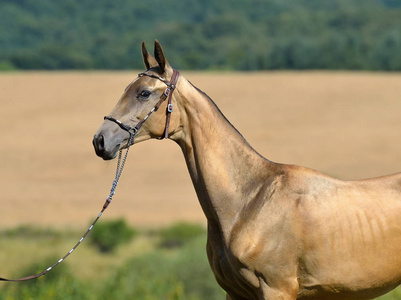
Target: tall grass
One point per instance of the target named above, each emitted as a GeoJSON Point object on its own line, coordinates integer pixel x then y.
{"type": "Point", "coordinates": [151, 272]}
{"type": "Point", "coordinates": [173, 275]}
{"type": "Point", "coordinates": [156, 272]}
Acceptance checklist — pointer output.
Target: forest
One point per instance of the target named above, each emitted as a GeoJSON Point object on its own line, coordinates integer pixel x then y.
{"type": "Point", "coordinates": [202, 34]}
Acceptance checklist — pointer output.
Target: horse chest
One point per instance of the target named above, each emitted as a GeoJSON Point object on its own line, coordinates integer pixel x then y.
{"type": "Point", "coordinates": [231, 274]}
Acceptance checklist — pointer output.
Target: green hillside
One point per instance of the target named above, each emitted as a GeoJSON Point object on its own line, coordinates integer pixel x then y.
{"type": "Point", "coordinates": [202, 34]}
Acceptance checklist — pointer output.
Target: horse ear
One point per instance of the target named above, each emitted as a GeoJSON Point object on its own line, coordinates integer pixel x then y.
{"type": "Point", "coordinates": [148, 59]}
{"type": "Point", "coordinates": [160, 58]}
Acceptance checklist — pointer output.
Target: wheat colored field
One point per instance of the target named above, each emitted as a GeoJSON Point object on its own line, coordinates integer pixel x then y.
{"type": "Point", "coordinates": [345, 124]}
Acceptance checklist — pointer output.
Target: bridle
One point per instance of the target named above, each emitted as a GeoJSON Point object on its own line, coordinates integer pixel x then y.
{"type": "Point", "coordinates": [132, 130]}
{"type": "Point", "coordinates": [168, 93]}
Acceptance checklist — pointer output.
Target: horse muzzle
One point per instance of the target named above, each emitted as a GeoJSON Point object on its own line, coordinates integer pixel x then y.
{"type": "Point", "coordinates": [103, 150]}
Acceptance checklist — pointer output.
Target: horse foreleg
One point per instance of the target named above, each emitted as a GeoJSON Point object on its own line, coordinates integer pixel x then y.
{"type": "Point", "coordinates": [271, 294]}
{"type": "Point", "coordinates": [284, 290]}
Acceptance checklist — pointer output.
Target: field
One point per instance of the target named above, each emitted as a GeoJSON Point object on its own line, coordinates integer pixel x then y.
{"type": "Point", "coordinates": [345, 124]}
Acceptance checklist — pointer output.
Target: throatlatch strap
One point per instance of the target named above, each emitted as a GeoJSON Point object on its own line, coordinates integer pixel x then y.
{"type": "Point", "coordinates": [173, 82]}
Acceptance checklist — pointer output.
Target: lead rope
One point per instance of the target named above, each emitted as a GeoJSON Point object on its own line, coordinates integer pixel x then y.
{"type": "Point", "coordinates": [119, 171]}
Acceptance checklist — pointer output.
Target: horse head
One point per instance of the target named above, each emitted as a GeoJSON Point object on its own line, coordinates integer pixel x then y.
{"type": "Point", "coordinates": [141, 98]}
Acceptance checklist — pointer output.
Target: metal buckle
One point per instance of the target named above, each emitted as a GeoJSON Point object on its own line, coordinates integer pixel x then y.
{"type": "Point", "coordinates": [133, 130]}
{"type": "Point", "coordinates": [167, 92]}
{"type": "Point", "coordinates": [170, 108]}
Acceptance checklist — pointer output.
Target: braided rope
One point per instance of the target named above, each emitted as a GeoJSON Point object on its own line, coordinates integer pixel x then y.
{"type": "Point", "coordinates": [119, 170]}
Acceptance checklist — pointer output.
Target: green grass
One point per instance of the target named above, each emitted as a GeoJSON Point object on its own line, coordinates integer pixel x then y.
{"type": "Point", "coordinates": [393, 295]}
{"type": "Point", "coordinates": [140, 269]}
{"type": "Point", "coordinates": [143, 269]}
{"type": "Point", "coordinates": [179, 234]}
{"type": "Point", "coordinates": [109, 235]}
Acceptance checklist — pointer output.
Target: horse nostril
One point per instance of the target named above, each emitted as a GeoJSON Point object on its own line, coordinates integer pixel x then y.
{"type": "Point", "coordinates": [98, 143]}
{"type": "Point", "coordinates": [101, 142]}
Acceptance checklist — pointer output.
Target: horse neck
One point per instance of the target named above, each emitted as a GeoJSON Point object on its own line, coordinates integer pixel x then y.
{"type": "Point", "coordinates": [225, 170]}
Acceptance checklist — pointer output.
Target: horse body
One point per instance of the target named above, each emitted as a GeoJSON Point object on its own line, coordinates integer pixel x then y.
{"type": "Point", "coordinates": [275, 231]}
{"type": "Point", "coordinates": [352, 239]}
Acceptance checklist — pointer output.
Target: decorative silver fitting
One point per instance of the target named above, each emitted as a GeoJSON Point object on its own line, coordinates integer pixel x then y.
{"type": "Point", "coordinates": [133, 130]}
{"type": "Point", "coordinates": [167, 91]}
{"type": "Point", "coordinates": [170, 108]}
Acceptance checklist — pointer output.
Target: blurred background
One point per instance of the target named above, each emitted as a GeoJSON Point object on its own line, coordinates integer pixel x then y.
{"type": "Point", "coordinates": [308, 82]}
{"type": "Point", "coordinates": [207, 34]}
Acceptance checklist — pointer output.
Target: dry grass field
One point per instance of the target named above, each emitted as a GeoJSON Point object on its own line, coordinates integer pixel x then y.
{"type": "Point", "coordinates": [345, 124]}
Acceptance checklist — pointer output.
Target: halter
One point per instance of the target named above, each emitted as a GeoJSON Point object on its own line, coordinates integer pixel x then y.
{"type": "Point", "coordinates": [168, 93]}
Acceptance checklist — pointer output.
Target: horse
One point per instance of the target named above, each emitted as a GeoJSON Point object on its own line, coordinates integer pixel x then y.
{"type": "Point", "coordinates": [274, 231]}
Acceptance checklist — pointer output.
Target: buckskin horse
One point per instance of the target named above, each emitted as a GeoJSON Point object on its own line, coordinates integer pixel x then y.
{"type": "Point", "coordinates": [275, 231]}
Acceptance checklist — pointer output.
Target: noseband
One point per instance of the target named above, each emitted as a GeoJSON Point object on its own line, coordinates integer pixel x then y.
{"type": "Point", "coordinates": [168, 93]}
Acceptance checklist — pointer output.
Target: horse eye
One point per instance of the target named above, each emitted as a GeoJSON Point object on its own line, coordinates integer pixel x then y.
{"type": "Point", "coordinates": [144, 94]}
